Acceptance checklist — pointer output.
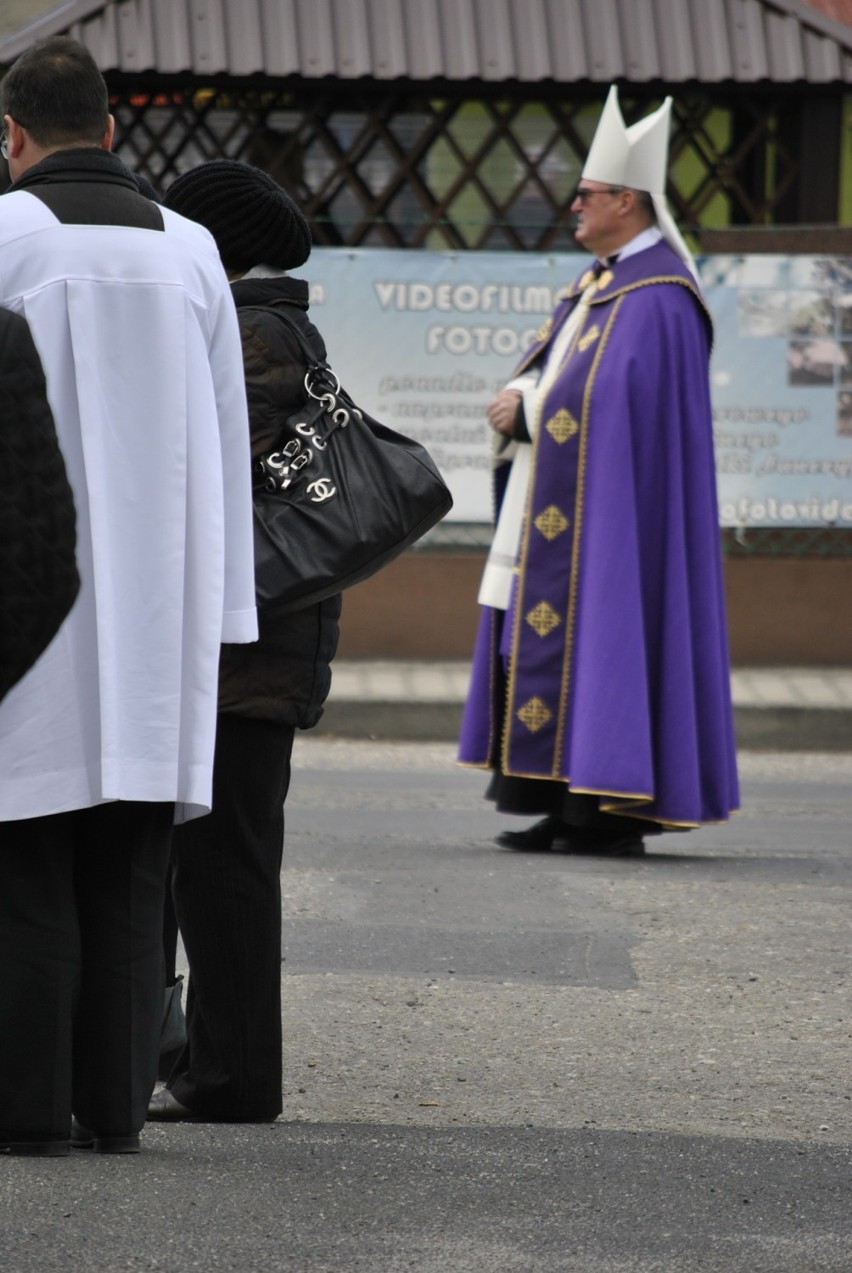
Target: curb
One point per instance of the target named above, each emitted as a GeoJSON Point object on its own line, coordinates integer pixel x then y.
{"type": "Point", "coordinates": [757, 728]}
{"type": "Point", "coordinates": [793, 728]}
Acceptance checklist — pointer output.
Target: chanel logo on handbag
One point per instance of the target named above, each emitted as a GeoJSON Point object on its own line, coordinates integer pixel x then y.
{"type": "Point", "coordinates": [338, 495]}
{"type": "Point", "coordinates": [321, 490]}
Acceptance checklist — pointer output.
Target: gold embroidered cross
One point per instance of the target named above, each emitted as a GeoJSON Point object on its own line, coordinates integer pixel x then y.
{"type": "Point", "coordinates": [562, 426]}
{"type": "Point", "coordinates": [543, 618]}
{"type": "Point", "coordinates": [551, 522]}
{"type": "Point", "coordinates": [534, 714]}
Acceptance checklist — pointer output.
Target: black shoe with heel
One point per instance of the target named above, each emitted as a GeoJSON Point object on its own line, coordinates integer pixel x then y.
{"type": "Point", "coordinates": [165, 1108]}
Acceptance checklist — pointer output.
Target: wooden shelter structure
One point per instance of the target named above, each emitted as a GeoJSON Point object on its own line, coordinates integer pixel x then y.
{"type": "Point", "coordinates": [464, 123]}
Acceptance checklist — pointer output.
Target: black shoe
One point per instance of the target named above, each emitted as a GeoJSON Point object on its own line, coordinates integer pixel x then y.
{"type": "Point", "coordinates": [83, 1138]}
{"type": "Point", "coordinates": [553, 833]}
{"type": "Point", "coordinates": [594, 844]}
{"type": "Point", "coordinates": [537, 838]}
{"type": "Point", "coordinates": [165, 1108]}
{"type": "Point", "coordinates": [36, 1148]}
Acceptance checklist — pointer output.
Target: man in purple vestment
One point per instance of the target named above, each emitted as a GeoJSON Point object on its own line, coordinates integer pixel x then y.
{"type": "Point", "coordinates": [600, 688]}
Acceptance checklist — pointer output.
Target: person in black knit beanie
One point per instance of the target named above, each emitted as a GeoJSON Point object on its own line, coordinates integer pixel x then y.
{"type": "Point", "coordinates": [253, 220]}
{"type": "Point", "coordinates": [225, 867]}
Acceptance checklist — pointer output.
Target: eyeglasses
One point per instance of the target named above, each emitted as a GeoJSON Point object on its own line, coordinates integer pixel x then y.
{"type": "Point", "coordinates": [4, 145]}
{"type": "Point", "coordinates": [584, 193]}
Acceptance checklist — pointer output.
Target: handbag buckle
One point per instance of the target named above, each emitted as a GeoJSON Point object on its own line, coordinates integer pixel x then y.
{"type": "Point", "coordinates": [278, 468]}
{"type": "Point", "coordinates": [321, 383]}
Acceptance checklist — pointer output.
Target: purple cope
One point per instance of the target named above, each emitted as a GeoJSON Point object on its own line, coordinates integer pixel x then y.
{"type": "Point", "coordinates": [610, 669]}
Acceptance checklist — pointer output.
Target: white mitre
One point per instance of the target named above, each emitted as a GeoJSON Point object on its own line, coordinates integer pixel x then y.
{"type": "Point", "coordinates": [637, 157]}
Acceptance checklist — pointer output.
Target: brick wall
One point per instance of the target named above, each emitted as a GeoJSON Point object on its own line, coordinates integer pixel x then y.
{"type": "Point", "coordinates": [782, 611]}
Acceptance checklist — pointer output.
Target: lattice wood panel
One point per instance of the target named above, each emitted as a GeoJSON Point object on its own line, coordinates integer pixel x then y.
{"type": "Point", "coordinates": [388, 168]}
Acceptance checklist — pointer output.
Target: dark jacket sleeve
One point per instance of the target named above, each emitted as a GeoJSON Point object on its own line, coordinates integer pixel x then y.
{"type": "Point", "coordinates": [275, 369]}
{"type": "Point", "coordinates": [38, 569]}
{"type": "Point", "coordinates": [285, 675]}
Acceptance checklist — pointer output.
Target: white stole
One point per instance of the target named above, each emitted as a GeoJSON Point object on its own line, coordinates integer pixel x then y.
{"type": "Point", "coordinates": [495, 589]}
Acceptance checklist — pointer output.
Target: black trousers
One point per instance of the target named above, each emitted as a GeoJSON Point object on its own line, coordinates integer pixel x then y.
{"type": "Point", "coordinates": [81, 968]}
{"type": "Point", "coordinates": [226, 889]}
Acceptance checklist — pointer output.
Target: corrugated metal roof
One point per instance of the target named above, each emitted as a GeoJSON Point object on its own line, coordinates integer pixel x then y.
{"type": "Point", "coordinates": [674, 41]}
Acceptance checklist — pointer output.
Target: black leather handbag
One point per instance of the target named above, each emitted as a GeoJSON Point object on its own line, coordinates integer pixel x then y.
{"type": "Point", "coordinates": [337, 497]}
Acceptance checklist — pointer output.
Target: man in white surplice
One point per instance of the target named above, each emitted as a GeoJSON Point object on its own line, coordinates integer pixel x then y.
{"type": "Point", "coordinates": [109, 738]}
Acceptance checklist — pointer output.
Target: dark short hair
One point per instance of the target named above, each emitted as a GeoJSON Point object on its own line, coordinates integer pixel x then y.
{"type": "Point", "coordinates": [646, 204]}
{"type": "Point", "coordinates": [57, 93]}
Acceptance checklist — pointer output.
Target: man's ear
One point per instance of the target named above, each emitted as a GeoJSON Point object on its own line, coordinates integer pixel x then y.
{"type": "Point", "coordinates": [15, 136]}
{"type": "Point", "coordinates": [109, 133]}
{"type": "Point", "coordinates": [629, 201]}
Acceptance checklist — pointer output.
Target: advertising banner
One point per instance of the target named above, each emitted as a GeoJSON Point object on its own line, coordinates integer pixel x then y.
{"type": "Point", "coordinates": [424, 339]}
{"type": "Point", "coordinates": [782, 388]}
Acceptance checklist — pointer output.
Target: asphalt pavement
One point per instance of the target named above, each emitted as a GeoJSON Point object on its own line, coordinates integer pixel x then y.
{"type": "Point", "coordinates": [502, 1062]}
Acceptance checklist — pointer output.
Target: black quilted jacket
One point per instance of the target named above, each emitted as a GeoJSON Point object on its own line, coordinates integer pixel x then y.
{"type": "Point", "coordinates": [286, 674]}
{"type": "Point", "coordinates": [38, 570]}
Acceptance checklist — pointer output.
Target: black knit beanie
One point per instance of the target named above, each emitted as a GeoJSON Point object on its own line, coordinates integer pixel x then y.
{"type": "Point", "coordinates": [253, 221]}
